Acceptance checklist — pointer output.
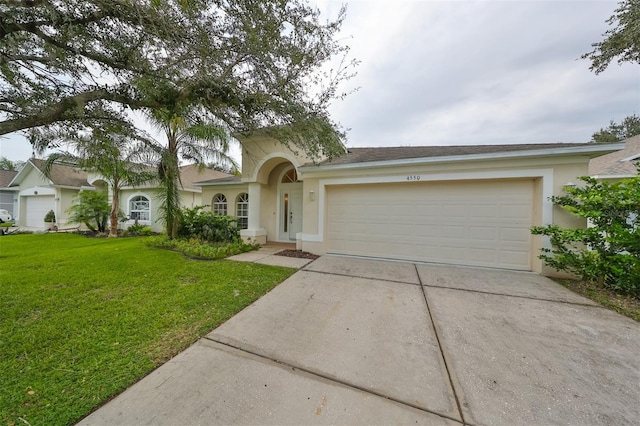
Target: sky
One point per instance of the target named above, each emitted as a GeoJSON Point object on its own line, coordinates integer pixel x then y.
{"type": "Point", "coordinates": [471, 73]}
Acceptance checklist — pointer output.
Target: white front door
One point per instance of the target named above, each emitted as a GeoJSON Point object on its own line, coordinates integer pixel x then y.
{"type": "Point", "coordinates": [290, 210]}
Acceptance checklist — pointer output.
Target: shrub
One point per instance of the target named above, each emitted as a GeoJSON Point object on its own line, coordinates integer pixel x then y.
{"type": "Point", "coordinates": [91, 208]}
{"type": "Point", "coordinates": [197, 248]}
{"type": "Point", "coordinates": [50, 217]}
{"type": "Point", "coordinates": [608, 250]}
{"type": "Point", "coordinates": [204, 225]}
{"type": "Point", "coordinates": [138, 230]}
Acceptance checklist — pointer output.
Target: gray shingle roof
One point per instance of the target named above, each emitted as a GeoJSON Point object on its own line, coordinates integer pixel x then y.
{"type": "Point", "coordinates": [619, 163]}
{"type": "Point", "coordinates": [191, 174]}
{"type": "Point", "coordinates": [228, 179]}
{"type": "Point", "coordinates": [6, 176]}
{"type": "Point", "coordinates": [365, 155]}
{"type": "Point", "coordinates": [63, 174]}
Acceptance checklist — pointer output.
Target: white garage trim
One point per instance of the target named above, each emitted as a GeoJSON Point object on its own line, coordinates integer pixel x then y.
{"type": "Point", "coordinates": [545, 174]}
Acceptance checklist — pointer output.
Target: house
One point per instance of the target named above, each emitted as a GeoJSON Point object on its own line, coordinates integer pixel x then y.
{"type": "Point", "coordinates": [141, 204]}
{"type": "Point", "coordinates": [619, 164]}
{"type": "Point", "coordinates": [7, 195]}
{"type": "Point", "coordinates": [37, 194]}
{"type": "Point", "coordinates": [464, 205]}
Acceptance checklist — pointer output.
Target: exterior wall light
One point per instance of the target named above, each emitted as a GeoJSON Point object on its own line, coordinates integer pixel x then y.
{"type": "Point", "coordinates": [312, 195]}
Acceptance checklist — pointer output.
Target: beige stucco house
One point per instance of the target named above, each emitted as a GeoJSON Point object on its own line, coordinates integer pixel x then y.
{"type": "Point", "coordinates": [37, 194]}
{"type": "Point", "coordinates": [466, 205]}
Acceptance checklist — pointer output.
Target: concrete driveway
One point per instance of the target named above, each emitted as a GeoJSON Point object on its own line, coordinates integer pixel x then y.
{"type": "Point", "coordinates": [353, 341]}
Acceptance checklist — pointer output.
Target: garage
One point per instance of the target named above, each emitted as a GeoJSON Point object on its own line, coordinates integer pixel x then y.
{"type": "Point", "coordinates": [476, 223]}
{"type": "Point", "coordinates": [36, 208]}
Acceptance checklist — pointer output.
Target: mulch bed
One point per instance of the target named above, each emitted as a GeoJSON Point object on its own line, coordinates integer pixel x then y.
{"type": "Point", "coordinates": [297, 253]}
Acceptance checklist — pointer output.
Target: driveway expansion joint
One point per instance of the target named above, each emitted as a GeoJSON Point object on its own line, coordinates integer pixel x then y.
{"type": "Point", "coordinates": [444, 358]}
{"type": "Point", "coordinates": [360, 277]}
{"type": "Point", "coordinates": [334, 380]}
{"type": "Point", "coordinates": [491, 293]}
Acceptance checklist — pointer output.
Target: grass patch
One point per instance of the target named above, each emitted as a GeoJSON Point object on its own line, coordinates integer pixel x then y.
{"type": "Point", "coordinates": [81, 319]}
{"type": "Point", "coordinates": [623, 304]}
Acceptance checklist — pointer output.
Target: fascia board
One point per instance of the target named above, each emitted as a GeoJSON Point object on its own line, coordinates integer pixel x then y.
{"type": "Point", "coordinates": [547, 152]}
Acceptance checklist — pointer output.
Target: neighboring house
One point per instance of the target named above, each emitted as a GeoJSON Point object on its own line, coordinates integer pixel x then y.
{"type": "Point", "coordinates": [619, 164]}
{"type": "Point", "coordinates": [466, 205]}
{"type": "Point", "coordinates": [141, 204]}
{"type": "Point", "coordinates": [37, 194]}
{"type": "Point", "coordinates": [8, 196]}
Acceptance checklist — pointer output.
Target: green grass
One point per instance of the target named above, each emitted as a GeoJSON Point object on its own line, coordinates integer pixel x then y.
{"type": "Point", "coordinates": [82, 319]}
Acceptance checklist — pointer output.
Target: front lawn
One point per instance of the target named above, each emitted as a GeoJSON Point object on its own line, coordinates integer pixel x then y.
{"type": "Point", "coordinates": [82, 319]}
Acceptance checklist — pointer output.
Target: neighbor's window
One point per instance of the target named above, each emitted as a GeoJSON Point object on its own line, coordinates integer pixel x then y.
{"type": "Point", "coordinates": [139, 208]}
{"type": "Point", "coordinates": [242, 210]}
{"type": "Point", "coordinates": [219, 205]}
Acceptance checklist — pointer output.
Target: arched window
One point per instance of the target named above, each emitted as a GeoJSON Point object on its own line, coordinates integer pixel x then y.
{"type": "Point", "coordinates": [290, 177]}
{"type": "Point", "coordinates": [219, 205]}
{"type": "Point", "coordinates": [242, 210]}
{"type": "Point", "coordinates": [139, 208]}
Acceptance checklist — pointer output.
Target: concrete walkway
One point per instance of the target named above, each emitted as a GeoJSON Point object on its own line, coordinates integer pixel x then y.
{"type": "Point", "coordinates": [352, 341]}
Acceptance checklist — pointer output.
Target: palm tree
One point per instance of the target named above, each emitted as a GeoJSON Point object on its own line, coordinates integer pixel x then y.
{"type": "Point", "coordinates": [189, 137]}
{"type": "Point", "coordinates": [107, 152]}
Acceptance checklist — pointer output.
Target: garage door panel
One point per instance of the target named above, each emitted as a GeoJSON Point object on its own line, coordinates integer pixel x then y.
{"type": "Point", "coordinates": [480, 223]}
{"type": "Point", "coordinates": [36, 208]}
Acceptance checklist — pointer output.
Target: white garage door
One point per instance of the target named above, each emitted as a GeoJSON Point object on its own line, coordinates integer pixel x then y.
{"type": "Point", "coordinates": [479, 223]}
{"type": "Point", "coordinates": [37, 208]}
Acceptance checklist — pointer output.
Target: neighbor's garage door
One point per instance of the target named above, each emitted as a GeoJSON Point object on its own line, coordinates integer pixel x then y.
{"type": "Point", "coordinates": [36, 208]}
{"type": "Point", "coordinates": [480, 223]}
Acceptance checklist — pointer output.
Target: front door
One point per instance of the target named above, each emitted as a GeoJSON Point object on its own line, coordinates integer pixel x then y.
{"type": "Point", "coordinates": [290, 210]}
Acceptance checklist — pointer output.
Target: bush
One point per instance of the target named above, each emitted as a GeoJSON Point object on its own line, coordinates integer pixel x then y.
{"type": "Point", "coordinates": [197, 248]}
{"type": "Point", "coordinates": [50, 217]}
{"type": "Point", "coordinates": [204, 225]}
{"type": "Point", "coordinates": [137, 230]}
{"type": "Point", "coordinates": [608, 250]}
{"type": "Point", "coordinates": [91, 208]}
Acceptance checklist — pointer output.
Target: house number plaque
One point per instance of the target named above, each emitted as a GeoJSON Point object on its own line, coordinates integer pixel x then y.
{"type": "Point", "coordinates": [413, 177]}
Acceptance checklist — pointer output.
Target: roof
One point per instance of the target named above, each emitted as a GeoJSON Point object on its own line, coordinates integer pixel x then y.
{"type": "Point", "coordinates": [6, 176]}
{"type": "Point", "coordinates": [366, 155]}
{"type": "Point", "coordinates": [225, 180]}
{"type": "Point", "coordinates": [192, 173]}
{"type": "Point", "coordinates": [620, 163]}
{"type": "Point", "coordinates": [63, 174]}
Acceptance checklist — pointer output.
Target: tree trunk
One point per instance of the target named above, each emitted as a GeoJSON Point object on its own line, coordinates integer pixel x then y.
{"type": "Point", "coordinates": [115, 207]}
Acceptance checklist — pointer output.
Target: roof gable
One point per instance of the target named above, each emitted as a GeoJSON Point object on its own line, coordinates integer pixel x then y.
{"type": "Point", "coordinates": [61, 174]}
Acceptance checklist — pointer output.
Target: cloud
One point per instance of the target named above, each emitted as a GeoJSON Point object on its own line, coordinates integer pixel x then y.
{"type": "Point", "coordinates": [443, 73]}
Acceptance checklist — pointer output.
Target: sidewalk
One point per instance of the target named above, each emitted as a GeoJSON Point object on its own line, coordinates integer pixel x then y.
{"type": "Point", "coordinates": [267, 255]}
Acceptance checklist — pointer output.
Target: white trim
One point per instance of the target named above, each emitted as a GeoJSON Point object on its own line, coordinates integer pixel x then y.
{"type": "Point", "coordinates": [545, 174]}
{"type": "Point", "coordinates": [633, 157]}
{"type": "Point", "coordinates": [613, 176]}
{"type": "Point", "coordinates": [467, 157]}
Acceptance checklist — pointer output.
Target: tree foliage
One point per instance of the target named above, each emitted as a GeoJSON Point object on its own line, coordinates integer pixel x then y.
{"type": "Point", "coordinates": [92, 209]}
{"type": "Point", "coordinates": [608, 250]}
{"type": "Point", "coordinates": [106, 152]}
{"type": "Point", "coordinates": [622, 41]}
{"type": "Point", "coordinates": [72, 65]}
{"type": "Point", "coordinates": [628, 128]}
{"type": "Point", "coordinates": [192, 136]}
{"type": "Point", "coordinates": [6, 164]}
